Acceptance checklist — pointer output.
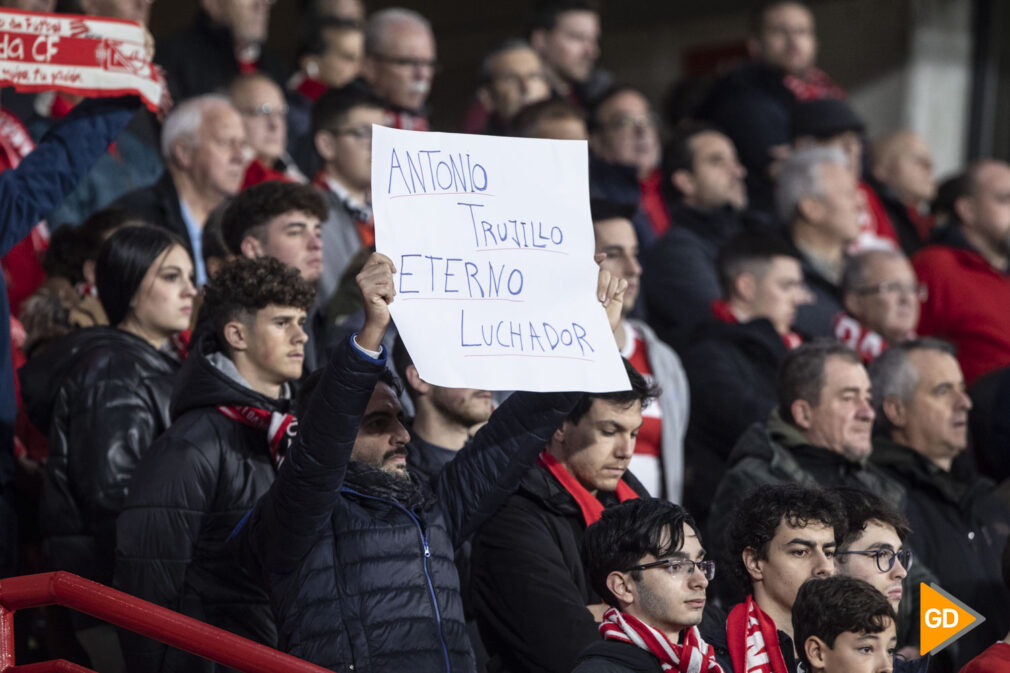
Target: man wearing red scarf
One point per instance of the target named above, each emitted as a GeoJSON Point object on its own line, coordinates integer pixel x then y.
{"type": "Point", "coordinates": [646, 559]}
{"type": "Point", "coordinates": [535, 610]}
{"type": "Point", "coordinates": [778, 537]}
{"type": "Point", "coordinates": [882, 298]}
{"type": "Point", "coordinates": [783, 49]}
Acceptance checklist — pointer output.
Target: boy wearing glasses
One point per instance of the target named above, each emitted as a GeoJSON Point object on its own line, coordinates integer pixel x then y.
{"type": "Point", "coordinates": [342, 131]}
{"type": "Point", "coordinates": [843, 625]}
{"type": "Point", "coordinates": [873, 550]}
{"type": "Point", "coordinates": [645, 558]}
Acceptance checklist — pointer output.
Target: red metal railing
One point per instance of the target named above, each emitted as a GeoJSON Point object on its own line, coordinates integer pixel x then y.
{"type": "Point", "coordinates": [132, 614]}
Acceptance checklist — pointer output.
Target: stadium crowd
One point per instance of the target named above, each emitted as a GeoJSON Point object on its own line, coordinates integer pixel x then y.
{"type": "Point", "coordinates": [205, 403]}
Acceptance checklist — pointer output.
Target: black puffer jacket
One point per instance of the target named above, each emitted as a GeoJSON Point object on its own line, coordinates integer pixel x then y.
{"type": "Point", "coordinates": [190, 491]}
{"type": "Point", "coordinates": [613, 656]}
{"type": "Point", "coordinates": [529, 588]}
{"type": "Point", "coordinates": [732, 370]}
{"type": "Point", "coordinates": [959, 529]}
{"type": "Point", "coordinates": [358, 581]}
{"type": "Point", "coordinates": [102, 395]}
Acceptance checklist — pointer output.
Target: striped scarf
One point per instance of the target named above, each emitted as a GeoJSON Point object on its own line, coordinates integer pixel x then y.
{"type": "Point", "coordinates": [694, 655]}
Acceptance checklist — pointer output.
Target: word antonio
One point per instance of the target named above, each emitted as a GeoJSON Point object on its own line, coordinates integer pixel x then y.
{"type": "Point", "coordinates": [434, 172]}
{"type": "Point", "coordinates": [525, 336]}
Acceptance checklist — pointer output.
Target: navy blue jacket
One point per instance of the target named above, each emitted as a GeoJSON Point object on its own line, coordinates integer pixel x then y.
{"type": "Point", "coordinates": [359, 582]}
{"type": "Point", "coordinates": [27, 194]}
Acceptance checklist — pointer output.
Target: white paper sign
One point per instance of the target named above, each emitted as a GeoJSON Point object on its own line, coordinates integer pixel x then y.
{"type": "Point", "coordinates": [493, 246]}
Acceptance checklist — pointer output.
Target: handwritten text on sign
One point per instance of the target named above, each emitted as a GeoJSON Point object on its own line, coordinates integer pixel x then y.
{"type": "Point", "coordinates": [493, 245]}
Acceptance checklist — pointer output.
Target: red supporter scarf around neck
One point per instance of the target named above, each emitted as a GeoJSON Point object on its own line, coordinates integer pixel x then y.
{"type": "Point", "coordinates": [753, 640]}
{"type": "Point", "coordinates": [851, 332]}
{"type": "Point", "coordinates": [693, 655]}
{"type": "Point", "coordinates": [813, 85]}
{"type": "Point", "coordinates": [281, 428]}
{"type": "Point", "coordinates": [722, 311]}
{"type": "Point", "coordinates": [592, 509]}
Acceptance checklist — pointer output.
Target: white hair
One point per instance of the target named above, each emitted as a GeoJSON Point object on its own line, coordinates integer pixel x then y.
{"type": "Point", "coordinates": [186, 119]}
{"type": "Point", "coordinates": [800, 178]}
{"type": "Point", "coordinates": [382, 21]}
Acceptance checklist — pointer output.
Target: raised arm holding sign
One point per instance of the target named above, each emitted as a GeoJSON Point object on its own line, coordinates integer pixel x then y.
{"type": "Point", "coordinates": [492, 242]}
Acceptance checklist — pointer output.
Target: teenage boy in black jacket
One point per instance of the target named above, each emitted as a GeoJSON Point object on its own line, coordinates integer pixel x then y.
{"type": "Point", "coordinates": [356, 552]}
{"type": "Point", "coordinates": [231, 426]}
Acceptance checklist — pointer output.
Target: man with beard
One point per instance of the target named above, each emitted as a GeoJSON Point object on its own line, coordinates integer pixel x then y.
{"type": "Point", "coordinates": [356, 553]}
{"type": "Point", "coordinates": [444, 418]}
{"type": "Point", "coordinates": [966, 272]}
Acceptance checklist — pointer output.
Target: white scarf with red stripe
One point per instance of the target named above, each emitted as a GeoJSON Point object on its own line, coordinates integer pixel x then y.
{"type": "Point", "coordinates": [281, 428]}
{"type": "Point", "coordinates": [694, 655]}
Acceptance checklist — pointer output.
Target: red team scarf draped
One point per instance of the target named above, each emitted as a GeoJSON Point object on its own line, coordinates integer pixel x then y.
{"type": "Point", "coordinates": [753, 640]}
{"type": "Point", "coordinates": [866, 342]}
{"type": "Point", "coordinates": [82, 55]}
{"type": "Point", "coordinates": [693, 655]}
{"type": "Point", "coordinates": [280, 428]}
{"type": "Point", "coordinates": [592, 509]}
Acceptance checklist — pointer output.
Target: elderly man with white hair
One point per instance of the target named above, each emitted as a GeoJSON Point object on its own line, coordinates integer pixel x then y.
{"type": "Point", "coordinates": [400, 64]}
{"type": "Point", "coordinates": [203, 143]}
{"type": "Point", "coordinates": [817, 199]}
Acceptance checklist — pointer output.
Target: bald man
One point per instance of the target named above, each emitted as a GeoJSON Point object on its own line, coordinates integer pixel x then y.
{"type": "Point", "coordinates": [902, 171]}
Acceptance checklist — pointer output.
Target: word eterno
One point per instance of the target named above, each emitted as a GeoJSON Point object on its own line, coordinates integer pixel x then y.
{"type": "Point", "coordinates": [454, 275]}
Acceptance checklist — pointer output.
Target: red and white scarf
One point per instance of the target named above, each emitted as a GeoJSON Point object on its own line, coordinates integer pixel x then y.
{"type": "Point", "coordinates": [722, 311]}
{"type": "Point", "coordinates": [753, 640]}
{"type": "Point", "coordinates": [281, 428]}
{"type": "Point", "coordinates": [813, 85]}
{"type": "Point", "coordinates": [592, 509]}
{"type": "Point", "coordinates": [82, 55]}
{"type": "Point", "coordinates": [693, 655]}
{"type": "Point", "coordinates": [851, 332]}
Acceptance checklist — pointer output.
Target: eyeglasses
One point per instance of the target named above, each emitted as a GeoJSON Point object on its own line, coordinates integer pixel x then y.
{"type": "Point", "coordinates": [896, 287]}
{"type": "Point", "coordinates": [627, 124]}
{"type": "Point", "coordinates": [407, 62]}
{"type": "Point", "coordinates": [884, 557]}
{"type": "Point", "coordinates": [359, 133]}
{"type": "Point", "coordinates": [679, 566]}
{"type": "Point", "coordinates": [519, 79]}
{"type": "Point", "coordinates": [265, 110]}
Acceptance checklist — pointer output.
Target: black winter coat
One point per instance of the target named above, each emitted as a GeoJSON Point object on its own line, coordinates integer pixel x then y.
{"type": "Point", "coordinates": [732, 369]}
{"type": "Point", "coordinates": [528, 585]}
{"type": "Point", "coordinates": [959, 528]}
{"type": "Point", "coordinates": [614, 656]}
{"type": "Point", "coordinates": [817, 319]}
{"type": "Point", "coordinates": [201, 59]}
{"type": "Point", "coordinates": [754, 107]}
{"type": "Point", "coordinates": [357, 581]}
{"type": "Point", "coordinates": [158, 204]}
{"type": "Point", "coordinates": [196, 483]}
{"type": "Point", "coordinates": [679, 275]}
{"type": "Point", "coordinates": [102, 396]}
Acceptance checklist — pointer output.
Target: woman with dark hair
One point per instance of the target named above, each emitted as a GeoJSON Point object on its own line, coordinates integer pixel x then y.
{"type": "Point", "coordinates": [102, 395]}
